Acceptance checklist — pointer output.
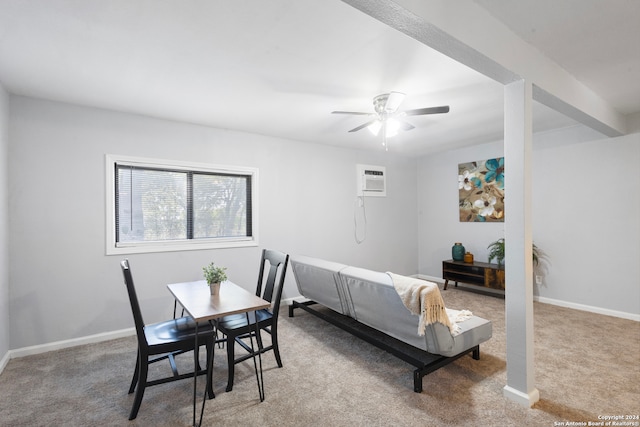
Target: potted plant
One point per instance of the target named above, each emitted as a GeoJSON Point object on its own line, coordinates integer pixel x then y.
{"type": "Point", "coordinates": [214, 276]}
{"type": "Point", "coordinates": [496, 250]}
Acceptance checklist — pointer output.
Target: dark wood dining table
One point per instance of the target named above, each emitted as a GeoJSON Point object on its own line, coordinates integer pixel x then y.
{"type": "Point", "coordinates": [201, 306]}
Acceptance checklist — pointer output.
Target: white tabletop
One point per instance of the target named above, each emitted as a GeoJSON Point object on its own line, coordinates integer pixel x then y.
{"type": "Point", "coordinates": [198, 302]}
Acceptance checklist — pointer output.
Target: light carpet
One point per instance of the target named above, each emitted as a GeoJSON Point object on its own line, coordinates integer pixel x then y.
{"type": "Point", "coordinates": [587, 366]}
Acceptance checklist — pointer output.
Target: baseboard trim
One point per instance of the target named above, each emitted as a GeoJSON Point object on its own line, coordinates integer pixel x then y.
{"type": "Point", "coordinates": [5, 360]}
{"type": "Point", "coordinates": [106, 336]}
{"type": "Point", "coordinates": [525, 399]}
{"type": "Point", "coordinates": [589, 308]}
{"type": "Point", "coordinates": [560, 303]}
{"type": "Point", "coordinates": [289, 301]}
{"type": "Point", "coordinates": [90, 339]}
{"type": "Point", "coordinates": [438, 280]}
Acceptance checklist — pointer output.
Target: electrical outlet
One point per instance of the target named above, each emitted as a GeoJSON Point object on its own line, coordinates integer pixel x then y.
{"type": "Point", "coordinates": [538, 280]}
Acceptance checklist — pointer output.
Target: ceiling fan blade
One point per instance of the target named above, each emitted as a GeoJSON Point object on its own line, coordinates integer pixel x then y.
{"type": "Point", "coordinates": [428, 110]}
{"type": "Point", "coordinates": [393, 101]}
{"type": "Point", "coordinates": [363, 126]}
{"type": "Point", "coordinates": [357, 113]}
{"type": "Point", "coordinates": [405, 125]}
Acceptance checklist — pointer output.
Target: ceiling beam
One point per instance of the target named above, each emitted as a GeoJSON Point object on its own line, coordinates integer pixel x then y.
{"type": "Point", "coordinates": [466, 32]}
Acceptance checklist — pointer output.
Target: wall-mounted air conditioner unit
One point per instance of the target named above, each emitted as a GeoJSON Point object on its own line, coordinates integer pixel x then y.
{"type": "Point", "coordinates": [371, 181]}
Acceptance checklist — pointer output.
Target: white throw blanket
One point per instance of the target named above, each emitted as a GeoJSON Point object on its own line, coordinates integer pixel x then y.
{"type": "Point", "coordinates": [423, 298]}
{"type": "Point", "coordinates": [457, 316]}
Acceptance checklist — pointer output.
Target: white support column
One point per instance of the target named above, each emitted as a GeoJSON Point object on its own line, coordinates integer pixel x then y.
{"type": "Point", "coordinates": [518, 249]}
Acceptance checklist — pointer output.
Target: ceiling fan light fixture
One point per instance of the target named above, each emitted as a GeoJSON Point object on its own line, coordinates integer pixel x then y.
{"type": "Point", "coordinates": [375, 127]}
{"type": "Point", "coordinates": [391, 125]}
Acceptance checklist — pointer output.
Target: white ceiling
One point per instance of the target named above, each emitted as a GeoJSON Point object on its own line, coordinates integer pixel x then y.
{"type": "Point", "coordinates": [279, 68]}
{"type": "Point", "coordinates": [597, 41]}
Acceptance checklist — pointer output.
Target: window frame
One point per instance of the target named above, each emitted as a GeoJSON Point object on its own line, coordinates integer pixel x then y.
{"type": "Point", "coordinates": [120, 248]}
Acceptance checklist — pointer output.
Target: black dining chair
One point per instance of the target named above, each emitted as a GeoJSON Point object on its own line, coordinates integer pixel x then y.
{"type": "Point", "coordinates": [163, 340]}
{"type": "Point", "coordinates": [240, 327]}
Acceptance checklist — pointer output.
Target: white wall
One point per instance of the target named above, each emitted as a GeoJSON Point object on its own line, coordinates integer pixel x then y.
{"type": "Point", "coordinates": [439, 226]}
{"type": "Point", "coordinates": [4, 225]}
{"type": "Point", "coordinates": [586, 210]}
{"type": "Point", "coordinates": [63, 285]}
{"type": "Point", "coordinates": [586, 214]}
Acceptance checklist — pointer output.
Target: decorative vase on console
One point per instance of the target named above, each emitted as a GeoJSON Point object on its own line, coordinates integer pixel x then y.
{"type": "Point", "coordinates": [457, 252]}
{"type": "Point", "coordinates": [468, 258]}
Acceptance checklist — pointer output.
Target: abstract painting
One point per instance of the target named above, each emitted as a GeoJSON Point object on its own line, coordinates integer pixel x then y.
{"type": "Point", "coordinates": [481, 190]}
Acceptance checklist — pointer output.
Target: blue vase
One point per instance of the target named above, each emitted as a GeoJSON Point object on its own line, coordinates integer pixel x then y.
{"type": "Point", "coordinates": [457, 252]}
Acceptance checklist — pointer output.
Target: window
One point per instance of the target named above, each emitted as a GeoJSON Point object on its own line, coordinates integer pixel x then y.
{"type": "Point", "coordinates": [161, 206]}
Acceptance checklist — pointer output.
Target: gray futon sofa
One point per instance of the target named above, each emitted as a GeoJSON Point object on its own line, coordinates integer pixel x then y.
{"type": "Point", "coordinates": [365, 303]}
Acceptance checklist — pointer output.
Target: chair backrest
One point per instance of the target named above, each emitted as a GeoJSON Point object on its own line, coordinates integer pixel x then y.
{"type": "Point", "coordinates": [133, 299]}
{"type": "Point", "coordinates": [277, 268]}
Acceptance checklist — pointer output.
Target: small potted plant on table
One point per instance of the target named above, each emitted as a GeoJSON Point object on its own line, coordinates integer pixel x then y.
{"type": "Point", "coordinates": [214, 276]}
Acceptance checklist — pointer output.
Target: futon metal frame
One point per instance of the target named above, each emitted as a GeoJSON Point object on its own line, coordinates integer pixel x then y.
{"type": "Point", "coordinates": [424, 361]}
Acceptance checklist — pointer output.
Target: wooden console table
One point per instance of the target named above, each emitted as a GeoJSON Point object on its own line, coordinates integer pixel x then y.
{"type": "Point", "coordinates": [476, 273]}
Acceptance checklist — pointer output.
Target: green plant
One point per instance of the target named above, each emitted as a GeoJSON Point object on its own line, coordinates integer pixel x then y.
{"type": "Point", "coordinates": [496, 250]}
{"type": "Point", "coordinates": [213, 274]}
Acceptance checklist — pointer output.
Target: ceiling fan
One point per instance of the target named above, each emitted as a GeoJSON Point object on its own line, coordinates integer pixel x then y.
{"type": "Point", "coordinates": [387, 116]}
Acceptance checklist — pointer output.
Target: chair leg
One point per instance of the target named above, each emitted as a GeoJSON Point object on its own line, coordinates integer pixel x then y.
{"type": "Point", "coordinates": [274, 344]}
{"type": "Point", "coordinates": [142, 383]}
{"type": "Point", "coordinates": [136, 373]}
{"type": "Point", "coordinates": [210, 354]}
{"type": "Point", "coordinates": [258, 338]}
{"type": "Point", "coordinates": [220, 341]}
{"type": "Point", "coordinates": [231, 363]}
